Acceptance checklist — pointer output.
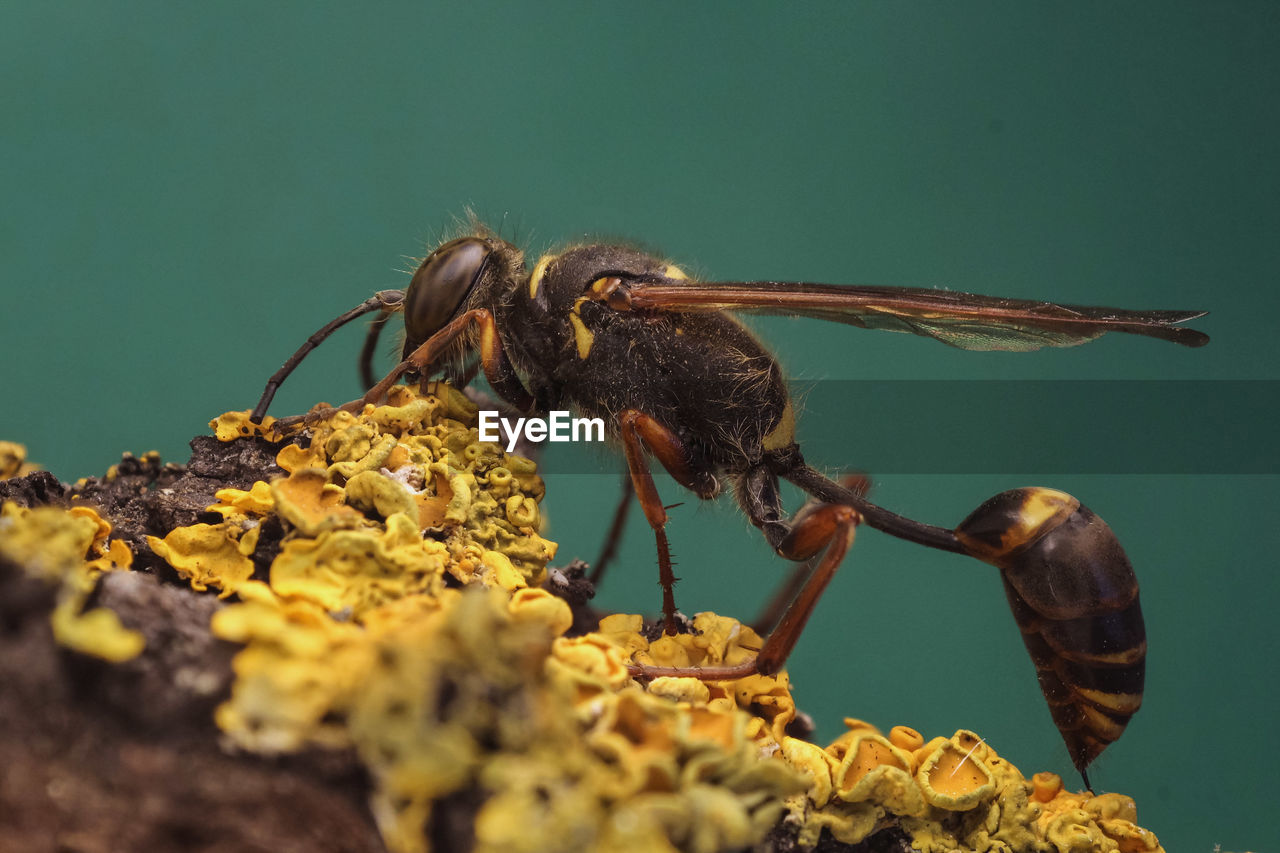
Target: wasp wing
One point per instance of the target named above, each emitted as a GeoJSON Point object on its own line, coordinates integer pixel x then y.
{"type": "Point", "coordinates": [963, 320]}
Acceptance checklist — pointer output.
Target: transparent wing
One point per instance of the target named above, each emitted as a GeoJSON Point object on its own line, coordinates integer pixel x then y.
{"type": "Point", "coordinates": [963, 320]}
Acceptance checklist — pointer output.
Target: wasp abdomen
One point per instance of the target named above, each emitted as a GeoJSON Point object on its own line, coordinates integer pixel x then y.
{"type": "Point", "coordinates": [1075, 599]}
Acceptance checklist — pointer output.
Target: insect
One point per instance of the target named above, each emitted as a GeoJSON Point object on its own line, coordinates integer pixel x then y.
{"type": "Point", "coordinates": [619, 334]}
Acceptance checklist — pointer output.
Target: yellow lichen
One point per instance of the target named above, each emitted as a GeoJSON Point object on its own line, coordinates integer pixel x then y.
{"type": "Point", "coordinates": [377, 495]}
{"type": "Point", "coordinates": [239, 505]}
{"type": "Point", "coordinates": [72, 548]}
{"type": "Point", "coordinates": [955, 776]}
{"type": "Point", "coordinates": [906, 738]}
{"type": "Point", "coordinates": [206, 554]}
{"type": "Point", "coordinates": [13, 461]}
{"type": "Point", "coordinates": [309, 502]}
{"type": "Point", "coordinates": [874, 769]}
{"type": "Point", "coordinates": [402, 617]}
{"type": "Point", "coordinates": [235, 425]}
{"type": "Point", "coordinates": [1075, 822]}
{"type": "Point", "coordinates": [360, 569]}
{"type": "Point", "coordinates": [538, 605]}
{"type": "Point", "coordinates": [358, 638]}
{"type": "Point", "coordinates": [95, 632]}
{"type": "Point", "coordinates": [816, 763]}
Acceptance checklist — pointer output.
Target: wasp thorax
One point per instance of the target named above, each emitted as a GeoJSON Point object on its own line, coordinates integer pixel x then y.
{"type": "Point", "coordinates": [440, 286]}
{"type": "Point", "coordinates": [611, 290]}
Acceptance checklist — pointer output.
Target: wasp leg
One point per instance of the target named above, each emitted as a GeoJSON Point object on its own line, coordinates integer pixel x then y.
{"type": "Point", "coordinates": [367, 379]}
{"type": "Point", "coordinates": [387, 301]}
{"type": "Point", "coordinates": [817, 528]}
{"type": "Point", "coordinates": [459, 378]}
{"type": "Point", "coordinates": [768, 618]}
{"type": "Point", "coordinates": [829, 526]}
{"type": "Point", "coordinates": [497, 368]}
{"type": "Point", "coordinates": [639, 433]}
{"type": "Point", "coordinates": [614, 538]}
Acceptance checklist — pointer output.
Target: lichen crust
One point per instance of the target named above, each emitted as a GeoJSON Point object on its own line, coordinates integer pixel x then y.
{"type": "Point", "coordinates": [390, 596]}
{"type": "Point", "coordinates": [70, 549]}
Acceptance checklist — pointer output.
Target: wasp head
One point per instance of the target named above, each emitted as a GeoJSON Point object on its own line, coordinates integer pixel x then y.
{"type": "Point", "coordinates": [457, 276]}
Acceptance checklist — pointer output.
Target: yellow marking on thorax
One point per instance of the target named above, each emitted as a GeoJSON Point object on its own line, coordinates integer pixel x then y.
{"type": "Point", "coordinates": [539, 270]}
{"type": "Point", "coordinates": [581, 334]}
{"type": "Point", "coordinates": [674, 271]}
{"type": "Point", "coordinates": [784, 434]}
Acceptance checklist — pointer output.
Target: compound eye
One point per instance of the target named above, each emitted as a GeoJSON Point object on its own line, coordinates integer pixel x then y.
{"type": "Point", "coordinates": [440, 286]}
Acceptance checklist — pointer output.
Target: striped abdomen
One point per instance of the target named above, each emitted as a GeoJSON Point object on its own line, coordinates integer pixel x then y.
{"type": "Point", "coordinates": [1075, 598]}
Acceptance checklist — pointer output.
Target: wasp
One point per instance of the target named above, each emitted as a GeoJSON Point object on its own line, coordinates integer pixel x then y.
{"type": "Point", "coordinates": [616, 333]}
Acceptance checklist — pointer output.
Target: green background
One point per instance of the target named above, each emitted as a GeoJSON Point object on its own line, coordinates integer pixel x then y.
{"type": "Point", "coordinates": [190, 191]}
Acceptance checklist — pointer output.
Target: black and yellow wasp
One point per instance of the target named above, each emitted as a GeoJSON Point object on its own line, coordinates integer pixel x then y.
{"type": "Point", "coordinates": [625, 336]}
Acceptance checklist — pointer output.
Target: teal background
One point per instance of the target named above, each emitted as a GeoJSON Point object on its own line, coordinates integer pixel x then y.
{"type": "Point", "coordinates": [190, 191]}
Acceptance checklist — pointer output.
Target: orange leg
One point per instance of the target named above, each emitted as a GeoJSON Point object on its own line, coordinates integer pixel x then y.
{"type": "Point", "coordinates": [497, 368]}
{"type": "Point", "coordinates": [640, 433]}
{"type": "Point", "coordinates": [815, 527]}
{"type": "Point", "coordinates": [772, 613]}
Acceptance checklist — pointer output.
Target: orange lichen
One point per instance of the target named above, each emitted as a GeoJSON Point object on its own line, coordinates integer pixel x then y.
{"type": "Point", "coordinates": [875, 769]}
{"type": "Point", "coordinates": [1045, 786]}
{"type": "Point", "coordinates": [955, 776]}
{"type": "Point", "coordinates": [684, 691]}
{"type": "Point", "coordinates": [46, 541]}
{"type": "Point", "coordinates": [906, 739]}
{"type": "Point", "coordinates": [104, 554]}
